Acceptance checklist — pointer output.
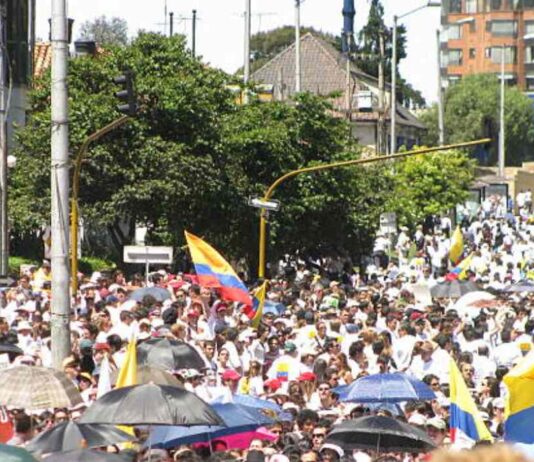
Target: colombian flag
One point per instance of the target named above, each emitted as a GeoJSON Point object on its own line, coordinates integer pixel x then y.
{"type": "Point", "coordinates": [257, 307]}
{"type": "Point", "coordinates": [460, 270]}
{"type": "Point", "coordinates": [214, 271]}
{"type": "Point", "coordinates": [520, 403]}
{"type": "Point", "coordinates": [466, 425]}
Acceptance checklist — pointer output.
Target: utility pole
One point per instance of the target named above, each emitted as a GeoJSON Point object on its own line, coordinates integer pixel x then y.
{"type": "Point", "coordinates": [501, 120]}
{"type": "Point", "coordinates": [393, 95]}
{"type": "Point", "coordinates": [247, 42]}
{"type": "Point", "coordinates": [381, 142]}
{"type": "Point", "coordinates": [194, 34]}
{"type": "Point", "coordinates": [60, 303]}
{"type": "Point", "coordinates": [4, 234]}
{"type": "Point", "coordinates": [171, 24]}
{"type": "Point", "coordinates": [297, 47]}
{"type": "Point", "coordinates": [441, 119]}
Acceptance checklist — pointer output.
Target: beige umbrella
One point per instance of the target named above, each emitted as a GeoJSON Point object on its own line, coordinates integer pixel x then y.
{"type": "Point", "coordinates": [33, 387]}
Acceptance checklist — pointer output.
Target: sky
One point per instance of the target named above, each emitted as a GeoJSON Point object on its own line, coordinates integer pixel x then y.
{"type": "Point", "coordinates": [220, 26]}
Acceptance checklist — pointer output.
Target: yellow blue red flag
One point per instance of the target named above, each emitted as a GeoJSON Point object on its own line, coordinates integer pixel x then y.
{"type": "Point", "coordinates": [518, 425]}
{"type": "Point", "coordinates": [214, 271]}
{"type": "Point", "coordinates": [466, 424]}
{"type": "Point", "coordinates": [257, 305]}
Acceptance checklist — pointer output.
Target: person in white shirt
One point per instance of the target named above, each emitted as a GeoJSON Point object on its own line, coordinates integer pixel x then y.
{"type": "Point", "coordinates": [424, 364]}
{"type": "Point", "coordinates": [508, 352]}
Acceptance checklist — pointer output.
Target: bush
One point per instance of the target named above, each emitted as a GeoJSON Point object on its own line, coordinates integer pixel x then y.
{"type": "Point", "coordinates": [88, 265]}
{"type": "Point", "coordinates": [16, 262]}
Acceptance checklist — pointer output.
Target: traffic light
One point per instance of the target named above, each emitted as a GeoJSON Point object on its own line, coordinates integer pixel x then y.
{"type": "Point", "coordinates": [126, 96]}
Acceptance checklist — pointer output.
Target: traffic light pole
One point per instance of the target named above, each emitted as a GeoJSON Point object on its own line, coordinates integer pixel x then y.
{"type": "Point", "coordinates": [76, 193]}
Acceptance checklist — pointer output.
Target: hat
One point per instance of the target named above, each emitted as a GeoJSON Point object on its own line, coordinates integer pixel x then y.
{"type": "Point", "coordinates": [306, 377]}
{"type": "Point", "coordinates": [417, 419]}
{"type": "Point", "coordinates": [230, 374]}
{"type": "Point", "coordinates": [46, 264]}
{"type": "Point", "coordinates": [273, 384]}
{"type": "Point", "coordinates": [498, 403]}
{"type": "Point", "coordinates": [333, 447]}
{"type": "Point", "coordinates": [290, 347]}
{"type": "Point", "coordinates": [101, 347]}
{"type": "Point", "coordinates": [437, 423]}
{"type": "Point", "coordinates": [86, 376]}
{"type": "Point", "coordinates": [23, 325]}
{"type": "Point", "coordinates": [86, 343]}
{"type": "Point", "coordinates": [333, 284]}
{"type": "Point", "coordinates": [416, 315]}
{"type": "Point", "coordinates": [192, 314]}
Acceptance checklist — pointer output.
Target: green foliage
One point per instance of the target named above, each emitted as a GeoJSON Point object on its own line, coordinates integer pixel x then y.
{"type": "Point", "coordinates": [88, 265]}
{"type": "Point", "coordinates": [105, 32]}
{"type": "Point", "coordinates": [472, 112]}
{"type": "Point", "coordinates": [429, 184]}
{"type": "Point", "coordinates": [15, 263]}
{"type": "Point", "coordinates": [191, 158]}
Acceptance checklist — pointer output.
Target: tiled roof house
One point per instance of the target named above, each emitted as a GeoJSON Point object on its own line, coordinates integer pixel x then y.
{"type": "Point", "coordinates": [324, 72]}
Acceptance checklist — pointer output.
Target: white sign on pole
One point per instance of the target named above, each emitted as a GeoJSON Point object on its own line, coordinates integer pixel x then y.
{"type": "Point", "coordinates": [147, 254]}
{"type": "Point", "coordinates": [388, 223]}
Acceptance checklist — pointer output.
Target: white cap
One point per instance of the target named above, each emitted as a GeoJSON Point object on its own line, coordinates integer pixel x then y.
{"type": "Point", "coordinates": [417, 419]}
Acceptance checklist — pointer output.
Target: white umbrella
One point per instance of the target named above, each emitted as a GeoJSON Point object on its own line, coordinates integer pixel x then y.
{"type": "Point", "coordinates": [464, 305]}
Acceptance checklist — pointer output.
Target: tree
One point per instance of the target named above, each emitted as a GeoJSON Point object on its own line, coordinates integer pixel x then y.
{"type": "Point", "coordinates": [429, 184]}
{"type": "Point", "coordinates": [471, 110]}
{"type": "Point", "coordinates": [191, 158]}
{"type": "Point", "coordinates": [105, 32]}
{"type": "Point", "coordinates": [368, 53]}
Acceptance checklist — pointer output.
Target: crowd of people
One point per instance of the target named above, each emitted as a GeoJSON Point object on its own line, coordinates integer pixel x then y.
{"type": "Point", "coordinates": [329, 324]}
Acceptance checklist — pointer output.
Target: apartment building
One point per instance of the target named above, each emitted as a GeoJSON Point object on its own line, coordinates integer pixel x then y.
{"type": "Point", "coordinates": [476, 33]}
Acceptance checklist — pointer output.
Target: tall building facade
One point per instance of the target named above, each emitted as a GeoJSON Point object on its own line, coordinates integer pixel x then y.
{"type": "Point", "coordinates": [475, 33]}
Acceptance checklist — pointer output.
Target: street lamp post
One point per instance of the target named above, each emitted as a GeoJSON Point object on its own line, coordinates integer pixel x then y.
{"type": "Point", "coordinates": [270, 190]}
{"type": "Point", "coordinates": [501, 118]}
{"type": "Point", "coordinates": [393, 96]}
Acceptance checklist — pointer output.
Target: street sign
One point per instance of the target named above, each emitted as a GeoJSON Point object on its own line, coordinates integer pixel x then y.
{"type": "Point", "coordinates": [388, 223]}
{"type": "Point", "coordinates": [271, 205]}
{"type": "Point", "coordinates": [147, 254]}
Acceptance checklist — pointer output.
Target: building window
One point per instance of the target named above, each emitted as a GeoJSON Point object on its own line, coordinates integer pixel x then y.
{"type": "Point", "coordinates": [472, 53]}
{"type": "Point", "coordinates": [455, 57]}
{"type": "Point", "coordinates": [529, 54]}
{"type": "Point", "coordinates": [530, 82]}
{"type": "Point", "coordinates": [454, 32]}
{"type": "Point", "coordinates": [455, 6]}
{"type": "Point", "coordinates": [495, 5]}
{"type": "Point", "coordinates": [452, 79]}
{"type": "Point", "coordinates": [509, 79]}
{"type": "Point", "coordinates": [529, 28]}
{"type": "Point", "coordinates": [17, 40]}
{"type": "Point", "coordinates": [528, 4]}
{"type": "Point", "coordinates": [495, 53]}
{"type": "Point", "coordinates": [502, 28]}
{"type": "Point", "coordinates": [470, 6]}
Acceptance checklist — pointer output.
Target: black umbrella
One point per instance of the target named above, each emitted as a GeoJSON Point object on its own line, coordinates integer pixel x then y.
{"type": "Point", "coordinates": [159, 293]}
{"type": "Point", "coordinates": [69, 436]}
{"type": "Point", "coordinates": [151, 405]}
{"type": "Point", "coordinates": [453, 289]}
{"type": "Point", "coordinates": [521, 286]}
{"type": "Point", "coordinates": [169, 354]}
{"type": "Point", "coordinates": [11, 349]}
{"type": "Point", "coordinates": [86, 455]}
{"type": "Point", "coordinates": [379, 433]}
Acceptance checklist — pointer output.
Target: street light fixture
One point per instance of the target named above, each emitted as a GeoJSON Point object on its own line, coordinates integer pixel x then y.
{"type": "Point", "coordinates": [393, 97]}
